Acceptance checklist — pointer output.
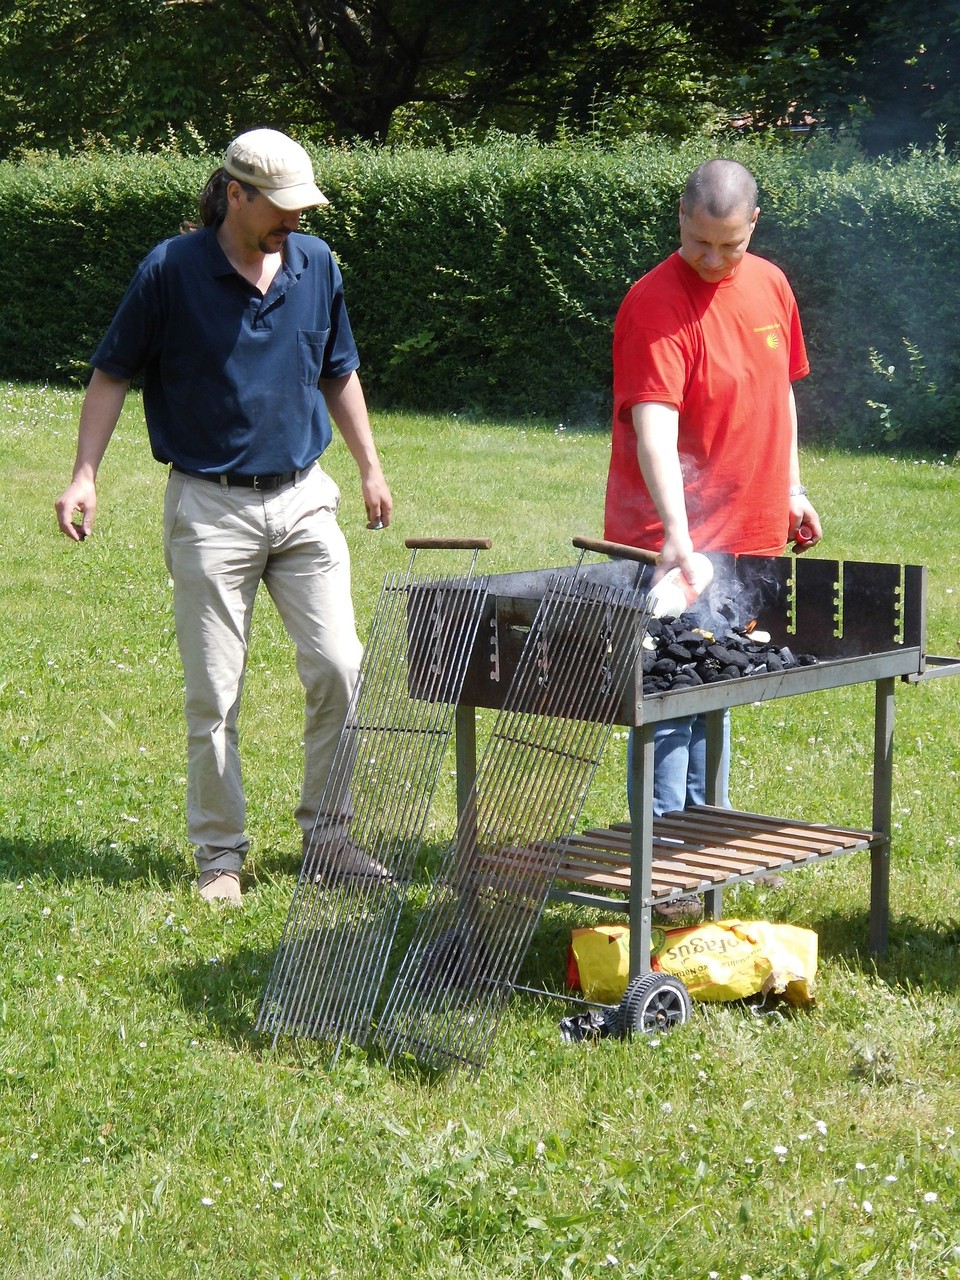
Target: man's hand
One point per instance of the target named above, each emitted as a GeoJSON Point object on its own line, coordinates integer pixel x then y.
{"type": "Point", "coordinates": [79, 497]}
{"type": "Point", "coordinates": [378, 500]}
{"type": "Point", "coordinates": [678, 552]}
{"type": "Point", "coordinates": [804, 530]}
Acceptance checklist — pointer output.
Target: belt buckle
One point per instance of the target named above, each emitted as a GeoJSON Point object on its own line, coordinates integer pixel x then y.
{"type": "Point", "coordinates": [256, 483]}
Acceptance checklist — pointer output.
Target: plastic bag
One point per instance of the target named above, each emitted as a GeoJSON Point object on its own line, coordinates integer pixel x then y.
{"type": "Point", "coordinates": [598, 962]}
{"type": "Point", "coordinates": [733, 959]}
{"type": "Point", "coordinates": [715, 960]}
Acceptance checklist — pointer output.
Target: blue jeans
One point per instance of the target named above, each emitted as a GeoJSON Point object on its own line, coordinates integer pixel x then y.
{"type": "Point", "coordinates": [680, 764]}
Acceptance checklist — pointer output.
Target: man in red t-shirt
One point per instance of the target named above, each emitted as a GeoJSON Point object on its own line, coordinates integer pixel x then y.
{"type": "Point", "coordinates": [704, 452]}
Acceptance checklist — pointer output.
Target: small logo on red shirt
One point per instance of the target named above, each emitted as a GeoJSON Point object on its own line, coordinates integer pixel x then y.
{"type": "Point", "coordinates": [771, 335]}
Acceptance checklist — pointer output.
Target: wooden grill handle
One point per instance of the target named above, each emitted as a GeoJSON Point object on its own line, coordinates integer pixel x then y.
{"type": "Point", "coordinates": [447, 544]}
{"type": "Point", "coordinates": [618, 549]}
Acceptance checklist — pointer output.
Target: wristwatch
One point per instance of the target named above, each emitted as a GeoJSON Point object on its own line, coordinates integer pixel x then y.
{"type": "Point", "coordinates": [798, 491]}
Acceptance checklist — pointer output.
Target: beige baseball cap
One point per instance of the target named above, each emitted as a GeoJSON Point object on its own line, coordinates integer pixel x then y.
{"type": "Point", "coordinates": [276, 166]}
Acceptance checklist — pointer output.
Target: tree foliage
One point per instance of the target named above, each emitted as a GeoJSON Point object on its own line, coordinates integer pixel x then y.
{"type": "Point", "coordinates": [129, 70]}
{"type": "Point", "coordinates": [886, 70]}
{"type": "Point", "coordinates": [118, 69]}
{"type": "Point", "coordinates": [134, 72]}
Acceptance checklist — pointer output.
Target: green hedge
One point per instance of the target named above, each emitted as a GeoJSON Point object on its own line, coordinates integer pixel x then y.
{"type": "Point", "coordinates": [486, 280]}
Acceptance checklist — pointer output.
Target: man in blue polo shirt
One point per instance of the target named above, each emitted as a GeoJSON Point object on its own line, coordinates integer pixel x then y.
{"type": "Point", "coordinates": [241, 335]}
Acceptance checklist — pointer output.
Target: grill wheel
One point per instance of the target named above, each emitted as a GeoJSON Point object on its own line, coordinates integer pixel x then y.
{"type": "Point", "coordinates": [653, 1004]}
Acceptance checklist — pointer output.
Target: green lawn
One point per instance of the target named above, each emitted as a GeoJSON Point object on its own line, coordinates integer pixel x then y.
{"type": "Point", "coordinates": [147, 1131]}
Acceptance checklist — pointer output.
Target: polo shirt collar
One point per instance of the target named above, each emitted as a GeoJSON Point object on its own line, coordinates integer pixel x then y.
{"type": "Point", "coordinates": [294, 256]}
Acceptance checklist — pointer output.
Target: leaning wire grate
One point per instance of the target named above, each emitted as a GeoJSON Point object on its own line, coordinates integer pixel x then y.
{"type": "Point", "coordinates": [536, 769]}
{"type": "Point", "coordinates": [342, 921]}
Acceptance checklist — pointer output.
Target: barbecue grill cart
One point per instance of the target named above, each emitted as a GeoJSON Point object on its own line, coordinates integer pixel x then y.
{"type": "Point", "coordinates": [557, 655]}
{"type": "Point", "coordinates": [864, 623]}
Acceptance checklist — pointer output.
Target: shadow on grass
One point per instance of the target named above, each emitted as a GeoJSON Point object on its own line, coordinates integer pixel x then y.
{"type": "Point", "coordinates": [224, 995]}
{"type": "Point", "coordinates": [920, 954]}
{"type": "Point", "coordinates": [227, 993]}
{"type": "Point", "coordinates": [227, 999]}
{"type": "Point", "coordinates": [73, 859]}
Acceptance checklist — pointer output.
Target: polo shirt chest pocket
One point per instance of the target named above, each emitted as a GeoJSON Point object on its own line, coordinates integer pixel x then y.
{"type": "Point", "coordinates": [312, 345]}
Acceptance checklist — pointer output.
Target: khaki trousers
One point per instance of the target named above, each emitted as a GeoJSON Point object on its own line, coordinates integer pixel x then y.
{"type": "Point", "coordinates": [220, 543]}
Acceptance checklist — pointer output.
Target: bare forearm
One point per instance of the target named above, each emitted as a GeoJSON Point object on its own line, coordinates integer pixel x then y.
{"type": "Point", "coordinates": [99, 415]}
{"type": "Point", "coordinates": [657, 432]}
{"type": "Point", "coordinates": [794, 443]}
{"type": "Point", "coordinates": [348, 408]}
{"type": "Point", "coordinates": [803, 514]}
{"type": "Point", "coordinates": [660, 468]}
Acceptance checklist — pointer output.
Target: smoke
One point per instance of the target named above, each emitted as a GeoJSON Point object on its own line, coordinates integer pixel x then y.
{"type": "Point", "coordinates": [743, 589]}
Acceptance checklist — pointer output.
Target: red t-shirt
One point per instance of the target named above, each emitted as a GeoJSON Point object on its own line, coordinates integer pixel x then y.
{"type": "Point", "coordinates": [724, 355]}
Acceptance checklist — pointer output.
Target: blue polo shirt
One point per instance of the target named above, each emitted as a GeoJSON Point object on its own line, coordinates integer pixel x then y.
{"type": "Point", "coordinates": [230, 378]}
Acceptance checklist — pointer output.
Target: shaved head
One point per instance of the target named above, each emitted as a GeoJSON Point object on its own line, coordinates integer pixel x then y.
{"type": "Point", "coordinates": [718, 213]}
{"type": "Point", "coordinates": [721, 188]}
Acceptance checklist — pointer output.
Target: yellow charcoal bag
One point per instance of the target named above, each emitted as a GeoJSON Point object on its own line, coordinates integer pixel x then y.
{"type": "Point", "coordinates": [716, 960]}
{"type": "Point", "coordinates": [732, 959]}
{"type": "Point", "coordinates": [598, 963]}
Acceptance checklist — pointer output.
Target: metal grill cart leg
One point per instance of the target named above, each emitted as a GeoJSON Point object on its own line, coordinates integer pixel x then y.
{"type": "Point", "coordinates": [532, 779]}
{"type": "Point", "coordinates": [343, 918]}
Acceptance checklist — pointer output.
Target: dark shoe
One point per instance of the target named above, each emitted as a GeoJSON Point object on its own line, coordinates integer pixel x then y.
{"type": "Point", "coordinates": [220, 886]}
{"type": "Point", "coordinates": [344, 860]}
{"type": "Point", "coordinates": [679, 911]}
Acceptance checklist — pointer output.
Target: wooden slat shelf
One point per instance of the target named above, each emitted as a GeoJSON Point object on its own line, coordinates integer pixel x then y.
{"type": "Point", "coordinates": [705, 848]}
